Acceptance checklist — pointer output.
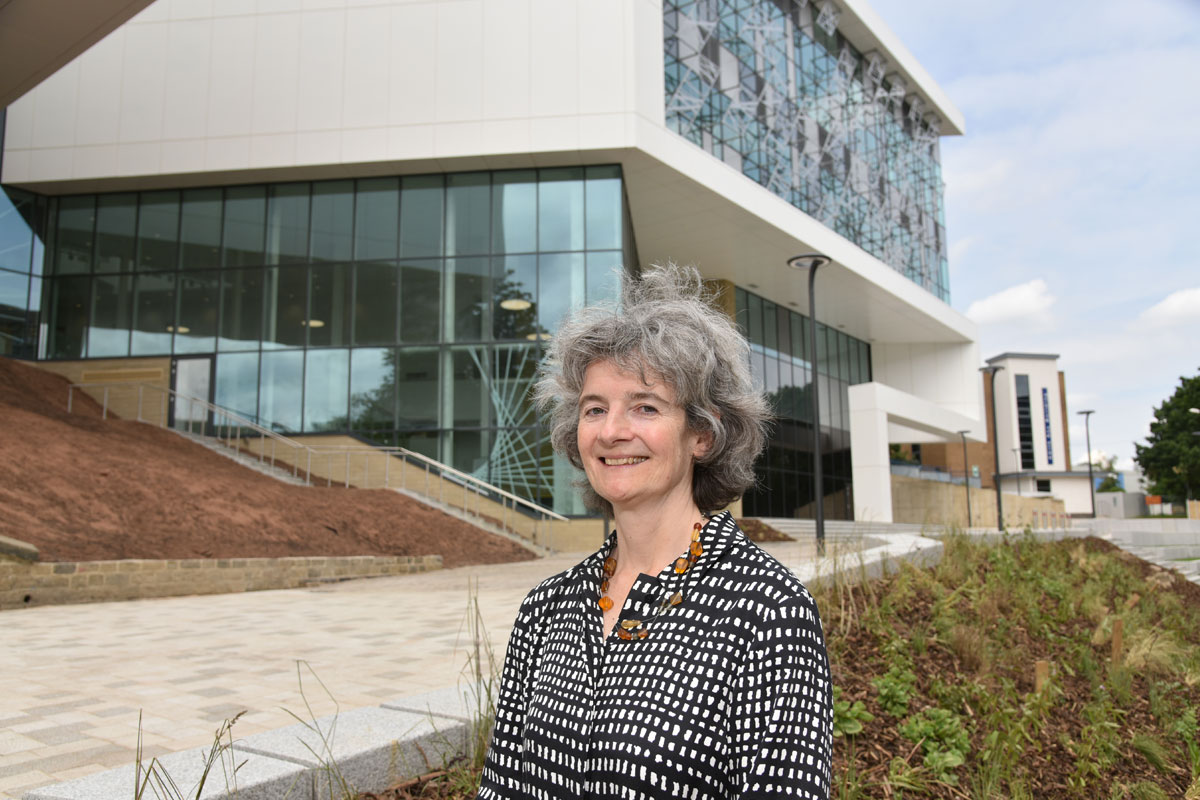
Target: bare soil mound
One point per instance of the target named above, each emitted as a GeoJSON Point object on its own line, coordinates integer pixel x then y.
{"type": "Point", "coordinates": [82, 488]}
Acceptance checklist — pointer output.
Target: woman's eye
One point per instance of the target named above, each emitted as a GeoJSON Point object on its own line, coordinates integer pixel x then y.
{"type": "Point", "coordinates": [648, 409]}
{"type": "Point", "coordinates": [594, 411]}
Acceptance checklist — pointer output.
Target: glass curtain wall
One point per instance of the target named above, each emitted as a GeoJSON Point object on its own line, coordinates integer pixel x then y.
{"type": "Point", "coordinates": [780, 359]}
{"type": "Point", "coordinates": [21, 254]}
{"type": "Point", "coordinates": [773, 88]}
{"type": "Point", "coordinates": [408, 310]}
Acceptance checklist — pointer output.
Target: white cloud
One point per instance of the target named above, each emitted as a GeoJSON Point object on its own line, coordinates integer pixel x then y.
{"type": "Point", "coordinates": [1032, 299]}
{"type": "Point", "coordinates": [1177, 307]}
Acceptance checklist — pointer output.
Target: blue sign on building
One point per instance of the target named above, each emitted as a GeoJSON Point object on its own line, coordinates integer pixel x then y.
{"type": "Point", "coordinates": [1046, 421]}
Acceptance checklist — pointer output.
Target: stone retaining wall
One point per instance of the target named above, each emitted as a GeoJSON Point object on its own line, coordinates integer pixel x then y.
{"type": "Point", "coordinates": [24, 583]}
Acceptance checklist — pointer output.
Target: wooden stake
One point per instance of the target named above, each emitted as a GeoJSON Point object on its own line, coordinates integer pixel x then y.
{"type": "Point", "coordinates": [1041, 674]}
{"type": "Point", "coordinates": [1118, 639]}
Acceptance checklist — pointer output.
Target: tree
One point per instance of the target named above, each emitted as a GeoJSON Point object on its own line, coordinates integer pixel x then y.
{"type": "Point", "coordinates": [1170, 458]}
{"type": "Point", "coordinates": [1108, 468]}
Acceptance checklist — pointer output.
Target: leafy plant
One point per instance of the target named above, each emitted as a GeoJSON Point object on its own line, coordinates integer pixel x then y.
{"type": "Point", "coordinates": [848, 718]}
{"type": "Point", "coordinates": [1152, 750]}
{"type": "Point", "coordinates": [943, 739]}
{"type": "Point", "coordinates": [895, 689]}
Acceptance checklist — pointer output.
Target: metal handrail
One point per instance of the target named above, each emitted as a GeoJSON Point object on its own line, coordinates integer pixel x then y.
{"type": "Point", "coordinates": [229, 421]}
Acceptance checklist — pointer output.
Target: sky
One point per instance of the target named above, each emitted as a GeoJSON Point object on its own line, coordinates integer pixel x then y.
{"type": "Point", "coordinates": [1072, 201]}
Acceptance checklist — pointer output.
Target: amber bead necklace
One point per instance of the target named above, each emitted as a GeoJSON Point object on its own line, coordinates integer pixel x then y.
{"type": "Point", "coordinates": [639, 629]}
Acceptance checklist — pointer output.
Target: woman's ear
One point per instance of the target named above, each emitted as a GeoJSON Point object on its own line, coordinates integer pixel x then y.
{"type": "Point", "coordinates": [704, 443]}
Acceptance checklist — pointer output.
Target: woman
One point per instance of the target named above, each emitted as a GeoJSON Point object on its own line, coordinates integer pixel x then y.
{"type": "Point", "coordinates": [680, 660]}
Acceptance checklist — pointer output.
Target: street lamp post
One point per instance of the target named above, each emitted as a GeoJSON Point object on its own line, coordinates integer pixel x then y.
{"type": "Point", "coordinates": [1087, 427]}
{"type": "Point", "coordinates": [811, 261]}
{"type": "Point", "coordinates": [966, 477]}
{"type": "Point", "coordinates": [991, 371]}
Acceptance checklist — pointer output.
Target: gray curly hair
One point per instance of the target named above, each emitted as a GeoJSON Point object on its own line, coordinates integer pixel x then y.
{"type": "Point", "coordinates": [665, 324]}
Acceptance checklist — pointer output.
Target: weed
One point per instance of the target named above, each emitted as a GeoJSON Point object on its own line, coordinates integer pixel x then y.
{"type": "Point", "coordinates": [940, 733]}
{"type": "Point", "coordinates": [1152, 750]}
{"type": "Point", "coordinates": [848, 718]}
{"type": "Point", "coordinates": [895, 689]}
{"type": "Point", "coordinates": [156, 778]}
{"type": "Point", "coordinates": [970, 644]}
{"type": "Point", "coordinates": [1145, 790]}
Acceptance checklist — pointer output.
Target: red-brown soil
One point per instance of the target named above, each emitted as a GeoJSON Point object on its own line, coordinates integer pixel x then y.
{"type": "Point", "coordinates": [80, 488]}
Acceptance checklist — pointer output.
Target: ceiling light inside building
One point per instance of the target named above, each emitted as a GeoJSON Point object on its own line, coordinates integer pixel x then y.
{"type": "Point", "coordinates": [313, 323]}
{"type": "Point", "coordinates": [515, 304]}
{"type": "Point", "coordinates": [180, 329]}
{"type": "Point", "coordinates": [534, 337]}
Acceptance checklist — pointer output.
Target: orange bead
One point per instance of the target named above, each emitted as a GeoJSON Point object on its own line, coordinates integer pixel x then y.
{"type": "Point", "coordinates": [610, 565]}
{"type": "Point", "coordinates": [681, 565]}
{"type": "Point", "coordinates": [642, 633]}
{"type": "Point", "coordinates": [676, 599]}
{"type": "Point", "coordinates": [624, 634]}
{"type": "Point", "coordinates": [606, 603]}
{"type": "Point", "coordinates": [696, 548]}
{"type": "Point", "coordinates": [604, 586]}
{"type": "Point", "coordinates": [697, 526]}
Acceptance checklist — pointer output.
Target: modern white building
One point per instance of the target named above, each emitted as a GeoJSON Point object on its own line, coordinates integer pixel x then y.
{"type": "Point", "coordinates": [364, 216]}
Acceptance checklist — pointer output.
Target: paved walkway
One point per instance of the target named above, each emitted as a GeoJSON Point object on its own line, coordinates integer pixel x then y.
{"type": "Point", "coordinates": [73, 678]}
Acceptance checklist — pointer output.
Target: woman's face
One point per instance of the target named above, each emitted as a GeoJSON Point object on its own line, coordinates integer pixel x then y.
{"type": "Point", "coordinates": [634, 440]}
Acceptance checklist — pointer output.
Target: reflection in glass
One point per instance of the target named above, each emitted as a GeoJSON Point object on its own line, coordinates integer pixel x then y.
{"type": "Point", "coordinates": [421, 199]}
{"type": "Point", "coordinates": [286, 307]}
{"type": "Point", "coordinates": [603, 276]}
{"type": "Point", "coordinates": [420, 300]}
{"type": "Point", "coordinates": [153, 314]}
{"type": "Point", "coordinates": [469, 391]}
{"type": "Point", "coordinates": [329, 305]}
{"type": "Point", "coordinates": [73, 243]}
{"type": "Point", "coordinates": [468, 208]}
{"type": "Point", "coordinates": [241, 309]}
{"type": "Point", "coordinates": [375, 290]}
{"type": "Point", "coordinates": [196, 330]}
{"type": "Point", "coordinates": [332, 220]}
{"type": "Point", "coordinates": [158, 231]}
{"type": "Point", "coordinates": [560, 209]}
{"type": "Point", "coordinates": [17, 214]}
{"type": "Point", "coordinates": [14, 295]}
{"type": "Point", "coordinates": [325, 384]}
{"type": "Point", "coordinates": [280, 390]}
{"type": "Point", "coordinates": [514, 295]}
{"type": "Point", "coordinates": [514, 211]}
{"type": "Point", "coordinates": [245, 225]}
{"type": "Point", "coordinates": [376, 217]}
{"type": "Point", "coordinates": [468, 318]}
{"type": "Point", "coordinates": [427, 443]}
{"type": "Point", "coordinates": [469, 450]}
{"type": "Point", "coordinates": [287, 223]}
{"type": "Point", "coordinates": [560, 287]}
{"type": "Point", "coordinates": [112, 315]}
{"type": "Point", "coordinates": [237, 383]}
{"type": "Point", "coordinates": [373, 388]}
{"type": "Point", "coordinates": [603, 204]}
{"type": "Point", "coordinates": [200, 229]}
{"type": "Point", "coordinates": [116, 219]}
{"type": "Point", "coordinates": [417, 387]}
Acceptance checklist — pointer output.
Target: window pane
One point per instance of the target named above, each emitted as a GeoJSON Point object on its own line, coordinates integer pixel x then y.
{"type": "Point", "coordinates": [17, 210]}
{"type": "Point", "coordinates": [560, 209]}
{"type": "Point", "coordinates": [116, 219]}
{"type": "Point", "coordinates": [241, 309]}
{"type": "Point", "coordinates": [373, 388]}
{"type": "Point", "coordinates": [286, 307]}
{"type": "Point", "coordinates": [200, 229]}
{"type": "Point", "coordinates": [14, 318]}
{"type": "Point", "coordinates": [603, 276]}
{"type": "Point", "coordinates": [73, 244]}
{"type": "Point", "coordinates": [332, 220]}
{"type": "Point", "coordinates": [196, 331]}
{"type": "Point", "coordinates": [603, 208]}
{"type": "Point", "coordinates": [513, 372]}
{"type": "Point", "coordinates": [417, 386]}
{"type": "Point", "coordinates": [112, 314]}
{"type": "Point", "coordinates": [287, 224]}
{"type": "Point", "coordinates": [420, 301]}
{"type": "Point", "coordinates": [515, 297]}
{"type": "Point", "coordinates": [158, 230]}
{"type": "Point", "coordinates": [468, 214]}
{"type": "Point", "coordinates": [421, 217]}
{"type": "Point", "coordinates": [329, 304]}
{"type": "Point", "coordinates": [472, 301]}
{"type": "Point", "coordinates": [469, 391]}
{"type": "Point", "coordinates": [469, 450]}
{"type": "Point", "coordinates": [245, 225]}
{"type": "Point", "coordinates": [427, 443]}
{"type": "Point", "coordinates": [153, 314]}
{"type": "Point", "coordinates": [325, 386]}
{"type": "Point", "coordinates": [376, 218]}
{"type": "Point", "coordinates": [237, 383]}
{"type": "Point", "coordinates": [375, 290]}
{"type": "Point", "coordinates": [280, 390]}
{"type": "Point", "coordinates": [68, 317]}
{"type": "Point", "coordinates": [770, 326]}
{"type": "Point", "coordinates": [560, 287]}
{"type": "Point", "coordinates": [514, 211]}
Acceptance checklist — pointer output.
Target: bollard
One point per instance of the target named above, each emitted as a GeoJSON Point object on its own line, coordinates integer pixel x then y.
{"type": "Point", "coordinates": [1041, 674]}
{"type": "Point", "coordinates": [1118, 639]}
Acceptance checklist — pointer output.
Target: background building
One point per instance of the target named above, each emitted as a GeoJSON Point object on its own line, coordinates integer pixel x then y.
{"type": "Point", "coordinates": [365, 217]}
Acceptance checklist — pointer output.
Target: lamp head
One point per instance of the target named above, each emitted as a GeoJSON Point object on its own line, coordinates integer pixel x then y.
{"type": "Point", "coordinates": [808, 261]}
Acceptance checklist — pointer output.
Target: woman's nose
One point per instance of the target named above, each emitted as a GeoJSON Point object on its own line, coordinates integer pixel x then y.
{"type": "Point", "coordinates": [615, 428]}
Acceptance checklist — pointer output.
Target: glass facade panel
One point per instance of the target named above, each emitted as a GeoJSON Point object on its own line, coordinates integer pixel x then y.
{"type": "Point", "coordinates": [603, 205]}
{"type": "Point", "coordinates": [332, 220]}
{"type": "Point", "coordinates": [326, 376]}
{"type": "Point", "coordinates": [514, 211]}
{"type": "Point", "coordinates": [196, 330]}
{"type": "Point", "coordinates": [417, 374]}
{"type": "Point", "coordinates": [280, 390]}
{"type": "Point", "coordinates": [561, 285]}
{"type": "Point", "coordinates": [286, 307]}
{"type": "Point", "coordinates": [237, 384]}
{"type": "Point", "coordinates": [241, 309]}
{"type": "Point", "coordinates": [328, 322]}
{"type": "Point", "coordinates": [153, 314]}
{"type": "Point", "coordinates": [373, 388]}
{"type": "Point", "coordinates": [468, 402]}
{"type": "Point", "coordinates": [421, 202]}
{"type": "Point", "coordinates": [158, 231]}
{"type": "Point", "coordinates": [17, 212]}
{"type": "Point", "coordinates": [112, 316]}
{"type": "Point", "coordinates": [604, 276]}
{"type": "Point", "coordinates": [376, 218]}
{"type": "Point", "coordinates": [74, 235]}
{"type": "Point", "coordinates": [469, 303]}
{"type": "Point", "coordinates": [376, 288]}
{"type": "Point", "coordinates": [560, 209]}
{"type": "Point", "coordinates": [287, 224]}
{"type": "Point", "coordinates": [116, 225]}
{"type": "Point", "coordinates": [245, 225]}
{"type": "Point", "coordinates": [515, 310]}
{"type": "Point", "coordinates": [14, 300]}
{"type": "Point", "coordinates": [200, 229]}
{"type": "Point", "coordinates": [69, 307]}
{"type": "Point", "coordinates": [420, 301]}
{"type": "Point", "coordinates": [468, 214]}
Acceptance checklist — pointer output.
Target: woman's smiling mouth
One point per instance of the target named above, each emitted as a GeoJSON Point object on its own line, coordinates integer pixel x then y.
{"type": "Point", "coordinates": [621, 462]}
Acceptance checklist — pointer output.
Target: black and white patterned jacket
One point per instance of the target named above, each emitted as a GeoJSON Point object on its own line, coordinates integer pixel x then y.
{"type": "Point", "coordinates": [727, 697]}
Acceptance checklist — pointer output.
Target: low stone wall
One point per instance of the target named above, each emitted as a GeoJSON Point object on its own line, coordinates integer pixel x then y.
{"type": "Point", "coordinates": [935, 503]}
{"type": "Point", "coordinates": [24, 583]}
